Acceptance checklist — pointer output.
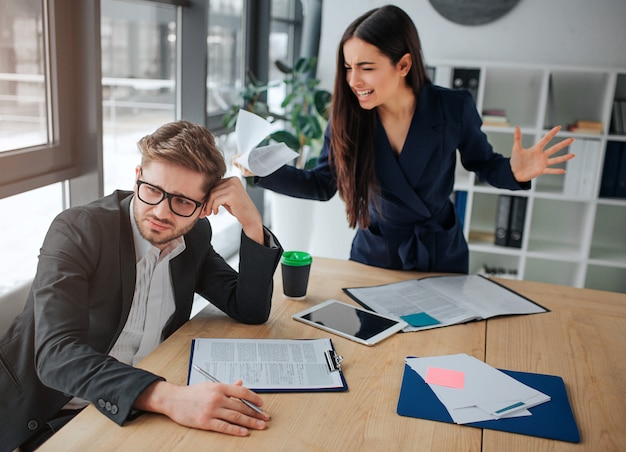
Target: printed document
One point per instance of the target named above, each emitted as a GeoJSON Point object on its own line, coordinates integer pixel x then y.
{"type": "Point", "coordinates": [266, 365]}
{"type": "Point", "coordinates": [486, 392]}
{"type": "Point", "coordinates": [250, 130]}
{"type": "Point", "coordinates": [443, 300]}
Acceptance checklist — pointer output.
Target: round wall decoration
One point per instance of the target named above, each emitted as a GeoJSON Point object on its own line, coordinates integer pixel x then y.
{"type": "Point", "coordinates": [473, 12]}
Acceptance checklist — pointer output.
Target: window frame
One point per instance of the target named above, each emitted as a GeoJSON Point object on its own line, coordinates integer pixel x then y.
{"type": "Point", "coordinates": [74, 150]}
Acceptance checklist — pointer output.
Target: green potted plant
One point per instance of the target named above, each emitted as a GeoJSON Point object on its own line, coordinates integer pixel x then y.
{"type": "Point", "coordinates": [305, 109]}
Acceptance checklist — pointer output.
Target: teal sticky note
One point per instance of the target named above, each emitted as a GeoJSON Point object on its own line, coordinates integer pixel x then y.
{"type": "Point", "coordinates": [420, 319]}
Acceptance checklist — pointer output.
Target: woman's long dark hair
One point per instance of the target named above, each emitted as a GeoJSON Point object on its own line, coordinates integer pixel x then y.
{"type": "Point", "coordinates": [353, 129]}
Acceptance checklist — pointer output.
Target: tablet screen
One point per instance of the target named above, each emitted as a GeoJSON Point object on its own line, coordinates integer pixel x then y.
{"type": "Point", "coordinates": [353, 322]}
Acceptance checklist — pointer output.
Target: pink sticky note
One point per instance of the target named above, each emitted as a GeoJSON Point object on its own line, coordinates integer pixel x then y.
{"type": "Point", "coordinates": [445, 377]}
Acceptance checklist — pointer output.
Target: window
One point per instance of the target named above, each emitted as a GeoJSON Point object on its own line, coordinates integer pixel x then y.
{"type": "Point", "coordinates": [285, 34]}
{"type": "Point", "coordinates": [24, 223]}
{"type": "Point", "coordinates": [45, 67]}
{"type": "Point", "coordinates": [81, 82]}
{"type": "Point", "coordinates": [23, 76]}
{"type": "Point", "coordinates": [225, 67]}
{"type": "Point", "coordinates": [138, 81]}
{"type": "Point", "coordinates": [49, 123]}
{"type": "Point", "coordinates": [271, 32]}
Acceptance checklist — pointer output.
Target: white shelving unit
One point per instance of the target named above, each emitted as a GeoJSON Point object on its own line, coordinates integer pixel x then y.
{"type": "Point", "coordinates": [573, 240]}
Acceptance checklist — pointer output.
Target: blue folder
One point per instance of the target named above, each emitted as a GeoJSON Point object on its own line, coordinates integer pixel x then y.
{"type": "Point", "coordinates": [553, 419]}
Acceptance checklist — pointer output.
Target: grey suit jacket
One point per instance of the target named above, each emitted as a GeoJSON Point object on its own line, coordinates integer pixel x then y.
{"type": "Point", "coordinates": [79, 302]}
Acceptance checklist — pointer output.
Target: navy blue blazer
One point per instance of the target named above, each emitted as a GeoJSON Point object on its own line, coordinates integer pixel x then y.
{"type": "Point", "coordinates": [416, 227]}
{"type": "Point", "coordinates": [79, 303]}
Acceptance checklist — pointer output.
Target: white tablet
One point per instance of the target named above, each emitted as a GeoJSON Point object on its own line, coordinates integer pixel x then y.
{"type": "Point", "coordinates": [351, 322]}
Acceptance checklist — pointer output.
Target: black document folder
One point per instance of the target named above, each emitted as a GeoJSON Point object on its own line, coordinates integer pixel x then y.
{"type": "Point", "coordinates": [553, 419]}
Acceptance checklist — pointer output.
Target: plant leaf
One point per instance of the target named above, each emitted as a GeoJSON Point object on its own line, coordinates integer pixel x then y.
{"type": "Point", "coordinates": [282, 136]}
{"type": "Point", "coordinates": [300, 65]}
{"type": "Point", "coordinates": [282, 67]}
{"type": "Point", "coordinates": [322, 101]}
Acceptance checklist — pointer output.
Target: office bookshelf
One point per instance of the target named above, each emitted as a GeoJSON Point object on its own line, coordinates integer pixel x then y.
{"type": "Point", "coordinates": [572, 237]}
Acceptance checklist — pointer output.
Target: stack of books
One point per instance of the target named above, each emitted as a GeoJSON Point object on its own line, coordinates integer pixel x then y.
{"type": "Point", "coordinates": [495, 117]}
{"type": "Point", "coordinates": [590, 127]}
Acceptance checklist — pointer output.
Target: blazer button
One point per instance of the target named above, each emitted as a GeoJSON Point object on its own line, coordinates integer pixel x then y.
{"type": "Point", "coordinates": [107, 406]}
{"type": "Point", "coordinates": [101, 403]}
{"type": "Point", "coordinates": [113, 409]}
{"type": "Point", "coordinates": [33, 425]}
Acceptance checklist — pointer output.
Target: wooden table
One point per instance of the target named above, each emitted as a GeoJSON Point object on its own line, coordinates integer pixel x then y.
{"type": "Point", "coordinates": [583, 340]}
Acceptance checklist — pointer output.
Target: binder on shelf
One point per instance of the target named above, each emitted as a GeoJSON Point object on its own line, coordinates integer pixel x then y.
{"type": "Point", "coordinates": [510, 218]}
{"type": "Point", "coordinates": [622, 116]}
{"type": "Point", "coordinates": [466, 78]}
{"type": "Point", "coordinates": [460, 204]}
{"type": "Point", "coordinates": [574, 168]}
{"type": "Point", "coordinates": [610, 170]}
{"type": "Point", "coordinates": [516, 223]}
{"type": "Point", "coordinates": [620, 188]}
{"type": "Point", "coordinates": [589, 170]}
{"type": "Point", "coordinates": [617, 120]}
{"type": "Point", "coordinates": [582, 171]}
{"type": "Point", "coordinates": [552, 420]}
{"type": "Point", "coordinates": [503, 214]}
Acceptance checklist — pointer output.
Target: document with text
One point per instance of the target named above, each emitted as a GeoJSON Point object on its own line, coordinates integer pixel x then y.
{"type": "Point", "coordinates": [438, 301]}
{"type": "Point", "coordinates": [268, 365]}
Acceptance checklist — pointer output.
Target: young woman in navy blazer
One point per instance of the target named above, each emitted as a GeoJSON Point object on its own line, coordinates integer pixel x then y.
{"type": "Point", "coordinates": [390, 151]}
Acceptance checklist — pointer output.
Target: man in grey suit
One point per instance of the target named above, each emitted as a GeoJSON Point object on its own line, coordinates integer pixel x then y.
{"type": "Point", "coordinates": [115, 278]}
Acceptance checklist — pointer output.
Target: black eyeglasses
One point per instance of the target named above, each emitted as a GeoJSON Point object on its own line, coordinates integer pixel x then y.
{"type": "Point", "coordinates": [153, 195]}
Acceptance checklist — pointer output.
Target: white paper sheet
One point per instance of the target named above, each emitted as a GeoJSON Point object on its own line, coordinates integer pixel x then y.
{"type": "Point", "coordinates": [266, 364]}
{"type": "Point", "coordinates": [448, 299]}
{"type": "Point", "coordinates": [250, 130]}
{"type": "Point", "coordinates": [487, 393]}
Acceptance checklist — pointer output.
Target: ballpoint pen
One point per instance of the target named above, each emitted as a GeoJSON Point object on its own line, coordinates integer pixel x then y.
{"type": "Point", "coordinates": [211, 378]}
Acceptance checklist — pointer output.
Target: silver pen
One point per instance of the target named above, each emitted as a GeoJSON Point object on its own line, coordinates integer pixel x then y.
{"type": "Point", "coordinates": [211, 378]}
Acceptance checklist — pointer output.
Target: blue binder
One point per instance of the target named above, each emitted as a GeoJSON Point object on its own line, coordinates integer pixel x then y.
{"type": "Point", "coordinates": [553, 419]}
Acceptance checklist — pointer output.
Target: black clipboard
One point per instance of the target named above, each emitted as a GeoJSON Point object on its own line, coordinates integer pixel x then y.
{"type": "Point", "coordinates": [331, 357]}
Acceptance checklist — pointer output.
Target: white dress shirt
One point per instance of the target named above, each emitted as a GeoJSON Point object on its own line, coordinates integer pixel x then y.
{"type": "Point", "coordinates": [153, 301]}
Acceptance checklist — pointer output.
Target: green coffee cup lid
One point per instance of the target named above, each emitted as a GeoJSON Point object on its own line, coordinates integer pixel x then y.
{"type": "Point", "coordinates": [296, 258]}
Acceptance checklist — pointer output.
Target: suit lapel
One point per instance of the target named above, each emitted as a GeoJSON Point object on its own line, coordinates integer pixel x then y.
{"type": "Point", "coordinates": [424, 138]}
{"type": "Point", "coordinates": [128, 265]}
{"type": "Point", "coordinates": [400, 176]}
{"type": "Point", "coordinates": [184, 286]}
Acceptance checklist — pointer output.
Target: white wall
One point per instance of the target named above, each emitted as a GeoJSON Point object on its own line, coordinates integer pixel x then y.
{"type": "Point", "coordinates": [564, 32]}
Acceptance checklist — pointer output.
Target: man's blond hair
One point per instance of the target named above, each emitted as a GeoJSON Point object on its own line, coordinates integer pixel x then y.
{"type": "Point", "coordinates": [188, 145]}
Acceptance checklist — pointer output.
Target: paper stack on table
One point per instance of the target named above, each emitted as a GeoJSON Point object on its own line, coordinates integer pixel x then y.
{"type": "Point", "coordinates": [473, 391]}
{"type": "Point", "coordinates": [250, 130]}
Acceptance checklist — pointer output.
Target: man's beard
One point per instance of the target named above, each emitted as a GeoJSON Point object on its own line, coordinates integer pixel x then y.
{"type": "Point", "coordinates": [154, 237]}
